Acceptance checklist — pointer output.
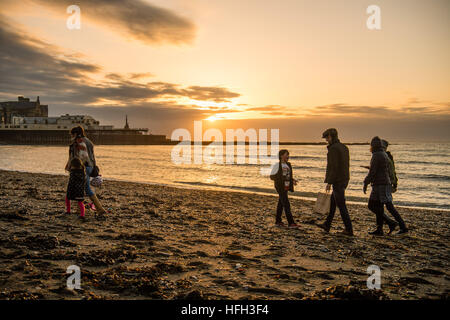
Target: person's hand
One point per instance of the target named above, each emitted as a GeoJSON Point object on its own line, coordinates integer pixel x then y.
{"type": "Point", "coordinates": [365, 188]}
{"type": "Point", "coordinates": [328, 187]}
{"type": "Point", "coordinates": [394, 188]}
{"type": "Point", "coordinates": [295, 181]}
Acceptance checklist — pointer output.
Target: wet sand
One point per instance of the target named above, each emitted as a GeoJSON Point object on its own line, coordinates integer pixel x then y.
{"type": "Point", "coordinates": [168, 243]}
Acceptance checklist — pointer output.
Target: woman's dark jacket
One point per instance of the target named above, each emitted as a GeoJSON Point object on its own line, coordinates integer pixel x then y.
{"type": "Point", "coordinates": [76, 186]}
{"type": "Point", "coordinates": [279, 180]}
{"type": "Point", "coordinates": [338, 163]}
{"type": "Point", "coordinates": [379, 171]}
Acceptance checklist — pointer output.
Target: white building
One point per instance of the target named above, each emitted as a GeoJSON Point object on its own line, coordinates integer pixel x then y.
{"type": "Point", "coordinates": [64, 122]}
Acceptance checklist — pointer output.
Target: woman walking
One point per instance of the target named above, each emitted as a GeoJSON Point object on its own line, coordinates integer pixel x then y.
{"type": "Point", "coordinates": [79, 146]}
{"type": "Point", "coordinates": [379, 178]}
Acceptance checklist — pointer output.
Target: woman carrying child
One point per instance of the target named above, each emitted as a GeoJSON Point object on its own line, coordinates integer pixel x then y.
{"type": "Point", "coordinates": [81, 147]}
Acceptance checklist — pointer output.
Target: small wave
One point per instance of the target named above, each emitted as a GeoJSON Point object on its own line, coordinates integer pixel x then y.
{"type": "Point", "coordinates": [429, 176]}
{"type": "Point", "coordinates": [307, 157]}
{"type": "Point", "coordinates": [422, 162]}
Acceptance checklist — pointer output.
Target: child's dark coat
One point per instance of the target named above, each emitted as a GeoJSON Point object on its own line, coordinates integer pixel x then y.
{"type": "Point", "coordinates": [76, 186]}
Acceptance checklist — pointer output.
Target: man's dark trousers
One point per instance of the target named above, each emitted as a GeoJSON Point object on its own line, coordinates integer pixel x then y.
{"type": "Point", "coordinates": [338, 199]}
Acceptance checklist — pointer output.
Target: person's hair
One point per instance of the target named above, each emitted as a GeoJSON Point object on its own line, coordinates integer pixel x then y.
{"type": "Point", "coordinates": [76, 163]}
{"type": "Point", "coordinates": [376, 143]}
{"type": "Point", "coordinates": [332, 132]}
{"type": "Point", "coordinates": [281, 152]}
{"type": "Point", "coordinates": [78, 130]}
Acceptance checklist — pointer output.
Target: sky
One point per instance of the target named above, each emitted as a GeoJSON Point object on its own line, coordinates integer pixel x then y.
{"type": "Point", "coordinates": [299, 66]}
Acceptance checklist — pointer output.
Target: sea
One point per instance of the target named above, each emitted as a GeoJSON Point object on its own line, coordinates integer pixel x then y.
{"type": "Point", "coordinates": [423, 169]}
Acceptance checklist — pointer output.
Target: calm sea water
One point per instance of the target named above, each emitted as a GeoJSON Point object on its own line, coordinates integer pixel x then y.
{"type": "Point", "coordinates": [423, 169]}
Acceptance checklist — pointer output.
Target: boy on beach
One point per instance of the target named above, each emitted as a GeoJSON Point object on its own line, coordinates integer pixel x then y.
{"type": "Point", "coordinates": [284, 182]}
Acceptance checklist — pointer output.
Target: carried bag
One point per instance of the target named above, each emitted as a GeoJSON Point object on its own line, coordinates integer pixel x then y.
{"type": "Point", "coordinates": [97, 181]}
{"type": "Point", "coordinates": [323, 203]}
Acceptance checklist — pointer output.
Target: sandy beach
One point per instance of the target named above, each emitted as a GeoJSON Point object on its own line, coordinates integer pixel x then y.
{"type": "Point", "coordinates": [168, 243]}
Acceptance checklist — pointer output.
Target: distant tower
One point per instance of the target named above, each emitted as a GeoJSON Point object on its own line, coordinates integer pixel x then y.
{"type": "Point", "coordinates": [126, 123]}
{"type": "Point", "coordinates": [37, 100]}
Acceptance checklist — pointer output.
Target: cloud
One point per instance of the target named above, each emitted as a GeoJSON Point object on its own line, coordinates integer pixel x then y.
{"type": "Point", "coordinates": [32, 67]}
{"type": "Point", "coordinates": [216, 94]}
{"type": "Point", "coordinates": [267, 108]}
{"type": "Point", "coordinates": [140, 75]}
{"type": "Point", "coordinates": [276, 110]}
{"type": "Point", "coordinates": [132, 18]}
{"type": "Point", "coordinates": [27, 66]}
{"type": "Point", "coordinates": [378, 111]}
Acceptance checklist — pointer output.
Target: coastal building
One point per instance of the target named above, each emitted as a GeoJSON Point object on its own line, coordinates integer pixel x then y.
{"type": "Point", "coordinates": [27, 122]}
{"type": "Point", "coordinates": [23, 107]}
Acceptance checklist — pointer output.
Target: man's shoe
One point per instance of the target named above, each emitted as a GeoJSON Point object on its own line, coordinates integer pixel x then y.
{"type": "Point", "coordinates": [293, 226]}
{"type": "Point", "coordinates": [377, 232]}
{"type": "Point", "coordinates": [280, 224]}
{"type": "Point", "coordinates": [324, 226]}
{"type": "Point", "coordinates": [392, 227]}
{"type": "Point", "coordinates": [402, 231]}
{"type": "Point", "coordinates": [347, 233]}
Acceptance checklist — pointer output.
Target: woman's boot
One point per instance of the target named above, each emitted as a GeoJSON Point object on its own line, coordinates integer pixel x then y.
{"type": "Point", "coordinates": [98, 206]}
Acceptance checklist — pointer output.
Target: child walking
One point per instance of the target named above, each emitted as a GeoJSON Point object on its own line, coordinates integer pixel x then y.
{"type": "Point", "coordinates": [284, 182]}
{"type": "Point", "coordinates": [76, 186]}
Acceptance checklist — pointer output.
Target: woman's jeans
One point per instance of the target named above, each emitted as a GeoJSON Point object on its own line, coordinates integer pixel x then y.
{"type": "Point", "coordinates": [283, 203]}
{"type": "Point", "coordinates": [378, 208]}
{"type": "Point", "coordinates": [395, 214]}
{"type": "Point", "coordinates": [87, 188]}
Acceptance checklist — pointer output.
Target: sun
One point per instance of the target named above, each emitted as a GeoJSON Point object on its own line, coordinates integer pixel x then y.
{"type": "Point", "coordinates": [212, 118]}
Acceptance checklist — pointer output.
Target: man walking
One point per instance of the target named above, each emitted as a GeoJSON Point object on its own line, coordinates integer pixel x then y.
{"type": "Point", "coordinates": [337, 176]}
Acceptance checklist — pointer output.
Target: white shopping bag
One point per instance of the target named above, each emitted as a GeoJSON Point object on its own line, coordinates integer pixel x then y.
{"type": "Point", "coordinates": [323, 203]}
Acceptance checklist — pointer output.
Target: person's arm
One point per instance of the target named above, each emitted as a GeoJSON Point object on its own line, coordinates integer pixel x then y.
{"type": "Point", "coordinates": [374, 163]}
{"type": "Point", "coordinates": [294, 181]}
{"type": "Point", "coordinates": [92, 153]}
{"type": "Point", "coordinates": [332, 165]}
{"type": "Point", "coordinates": [394, 179]}
{"type": "Point", "coordinates": [274, 171]}
{"type": "Point", "coordinates": [90, 150]}
{"type": "Point", "coordinates": [68, 160]}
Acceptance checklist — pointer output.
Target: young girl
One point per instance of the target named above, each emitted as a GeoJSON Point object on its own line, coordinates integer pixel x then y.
{"type": "Point", "coordinates": [284, 182]}
{"type": "Point", "coordinates": [75, 188]}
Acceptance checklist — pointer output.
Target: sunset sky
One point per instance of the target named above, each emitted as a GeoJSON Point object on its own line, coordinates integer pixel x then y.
{"type": "Point", "coordinates": [297, 65]}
